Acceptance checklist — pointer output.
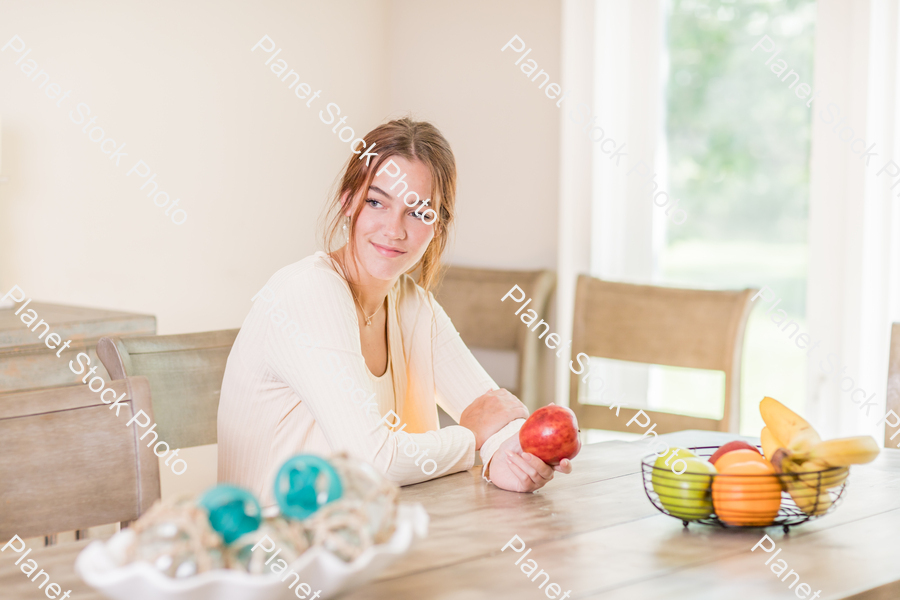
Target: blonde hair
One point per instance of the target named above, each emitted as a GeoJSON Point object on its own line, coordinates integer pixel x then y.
{"type": "Point", "coordinates": [412, 140]}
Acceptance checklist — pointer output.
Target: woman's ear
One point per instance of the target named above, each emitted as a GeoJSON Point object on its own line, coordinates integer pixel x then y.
{"type": "Point", "coordinates": [346, 204]}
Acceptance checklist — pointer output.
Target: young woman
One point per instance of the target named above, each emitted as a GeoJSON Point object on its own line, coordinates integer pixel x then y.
{"type": "Point", "coordinates": [344, 352]}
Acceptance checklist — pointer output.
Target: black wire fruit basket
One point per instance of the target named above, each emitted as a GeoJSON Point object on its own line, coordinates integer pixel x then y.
{"type": "Point", "coordinates": [742, 501]}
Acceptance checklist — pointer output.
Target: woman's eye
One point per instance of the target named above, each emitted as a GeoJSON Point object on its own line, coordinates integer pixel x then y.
{"type": "Point", "coordinates": [419, 216]}
{"type": "Point", "coordinates": [373, 202]}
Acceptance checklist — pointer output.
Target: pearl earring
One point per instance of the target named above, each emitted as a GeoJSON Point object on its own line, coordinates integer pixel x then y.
{"type": "Point", "coordinates": [346, 223]}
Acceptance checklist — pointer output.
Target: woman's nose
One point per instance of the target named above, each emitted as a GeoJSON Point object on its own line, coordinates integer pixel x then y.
{"type": "Point", "coordinates": [394, 228]}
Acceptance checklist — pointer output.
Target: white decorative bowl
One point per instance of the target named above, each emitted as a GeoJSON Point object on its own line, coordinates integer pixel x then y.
{"type": "Point", "coordinates": [317, 567]}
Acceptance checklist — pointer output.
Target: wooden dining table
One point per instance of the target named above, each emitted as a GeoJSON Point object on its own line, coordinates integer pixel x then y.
{"type": "Point", "coordinates": [598, 536]}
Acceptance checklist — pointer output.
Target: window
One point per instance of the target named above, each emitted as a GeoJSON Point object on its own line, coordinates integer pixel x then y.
{"type": "Point", "coordinates": [737, 142]}
{"type": "Point", "coordinates": [733, 145]}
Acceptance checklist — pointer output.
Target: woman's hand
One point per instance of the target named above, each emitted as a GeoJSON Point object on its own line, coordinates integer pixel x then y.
{"type": "Point", "coordinates": [490, 412]}
{"type": "Point", "coordinates": [517, 471]}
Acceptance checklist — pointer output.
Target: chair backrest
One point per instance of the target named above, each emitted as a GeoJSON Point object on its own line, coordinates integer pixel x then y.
{"type": "Point", "coordinates": [893, 383]}
{"type": "Point", "coordinates": [185, 373]}
{"type": "Point", "coordinates": [701, 329]}
{"type": "Point", "coordinates": [472, 300]}
{"type": "Point", "coordinates": [70, 463]}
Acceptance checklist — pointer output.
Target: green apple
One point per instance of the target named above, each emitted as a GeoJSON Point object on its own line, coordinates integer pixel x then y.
{"type": "Point", "coordinates": [662, 472]}
{"type": "Point", "coordinates": [671, 456]}
{"type": "Point", "coordinates": [686, 496]}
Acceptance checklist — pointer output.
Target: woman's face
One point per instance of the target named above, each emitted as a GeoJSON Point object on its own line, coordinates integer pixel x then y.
{"type": "Point", "coordinates": [389, 237]}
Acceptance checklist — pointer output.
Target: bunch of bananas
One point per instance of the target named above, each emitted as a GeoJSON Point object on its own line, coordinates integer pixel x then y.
{"type": "Point", "coordinates": [793, 447]}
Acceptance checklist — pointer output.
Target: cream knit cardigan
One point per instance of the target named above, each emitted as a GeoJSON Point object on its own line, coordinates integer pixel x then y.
{"type": "Point", "coordinates": [287, 385]}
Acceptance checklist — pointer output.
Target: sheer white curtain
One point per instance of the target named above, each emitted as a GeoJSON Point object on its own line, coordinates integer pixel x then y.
{"type": "Point", "coordinates": [854, 221]}
{"type": "Point", "coordinates": [574, 175]}
{"type": "Point", "coordinates": [612, 54]}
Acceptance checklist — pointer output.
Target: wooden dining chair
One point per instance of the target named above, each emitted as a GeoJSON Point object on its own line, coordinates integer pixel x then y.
{"type": "Point", "coordinates": [185, 373]}
{"type": "Point", "coordinates": [472, 300]}
{"type": "Point", "coordinates": [70, 463]}
{"type": "Point", "coordinates": [893, 383]}
{"type": "Point", "coordinates": [700, 329]}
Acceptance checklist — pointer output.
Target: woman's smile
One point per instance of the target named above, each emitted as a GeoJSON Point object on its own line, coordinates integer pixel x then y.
{"type": "Point", "coordinates": [388, 251]}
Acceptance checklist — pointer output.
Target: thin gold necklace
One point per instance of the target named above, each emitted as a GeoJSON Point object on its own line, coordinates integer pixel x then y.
{"type": "Point", "coordinates": [367, 317]}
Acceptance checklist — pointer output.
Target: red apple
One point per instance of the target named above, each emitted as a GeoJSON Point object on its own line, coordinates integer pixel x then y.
{"type": "Point", "coordinates": [551, 434]}
{"type": "Point", "coordinates": [735, 445]}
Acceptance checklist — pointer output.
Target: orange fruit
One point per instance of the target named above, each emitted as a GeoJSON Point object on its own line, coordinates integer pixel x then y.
{"type": "Point", "coordinates": [746, 493]}
{"type": "Point", "coordinates": [738, 456]}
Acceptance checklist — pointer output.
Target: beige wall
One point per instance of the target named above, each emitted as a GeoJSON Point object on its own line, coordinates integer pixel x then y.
{"type": "Point", "coordinates": [179, 85]}
{"type": "Point", "coordinates": [250, 162]}
{"type": "Point", "coordinates": [446, 66]}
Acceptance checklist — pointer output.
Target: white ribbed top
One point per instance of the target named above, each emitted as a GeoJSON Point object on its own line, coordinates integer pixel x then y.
{"type": "Point", "coordinates": [296, 382]}
{"type": "Point", "coordinates": [383, 386]}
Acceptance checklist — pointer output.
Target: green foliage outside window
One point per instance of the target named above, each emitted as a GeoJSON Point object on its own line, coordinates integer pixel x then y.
{"type": "Point", "coordinates": [738, 141]}
{"type": "Point", "coordinates": [738, 137]}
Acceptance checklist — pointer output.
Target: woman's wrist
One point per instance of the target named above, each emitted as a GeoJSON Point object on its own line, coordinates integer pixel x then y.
{"type": "Point", "coordinates": [500, 438]}
{"type": "Point", "coordinates": [490, 413]}
{"type": "Point", "coordinates": [481, 432]}
{"type": "Point", "coordinates": [479, 440]}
